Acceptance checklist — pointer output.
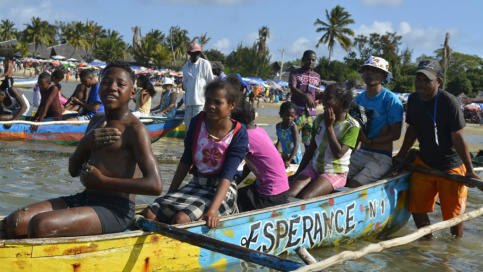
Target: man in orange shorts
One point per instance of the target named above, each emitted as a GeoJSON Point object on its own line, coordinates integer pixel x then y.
{"type": "Point", "coordinates": [436, 121]}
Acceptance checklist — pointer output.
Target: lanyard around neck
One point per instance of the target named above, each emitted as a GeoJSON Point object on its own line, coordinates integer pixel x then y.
{"type": "Point", "coordinates": [433, 117]}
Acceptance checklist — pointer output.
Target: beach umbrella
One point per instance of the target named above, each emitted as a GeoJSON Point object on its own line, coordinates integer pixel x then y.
{"type": "Point", "coordinates": [72, 59]}
{"type": "Point", "coordinates": [58, 57]}
{"type": "Point", "coordinates": [472, 107]}
{"type": "Point", "coordinates": [83, 64]}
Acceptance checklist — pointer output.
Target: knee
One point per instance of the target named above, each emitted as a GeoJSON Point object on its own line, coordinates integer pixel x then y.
{"type": "Point", "coordinates": [40, 227]}
{"type": "Point", "coordinates": [181, 218]}
{"type": "Point", "coordinates": [148, 213]}
{"type": "Point", "coordinates": [13, 226]}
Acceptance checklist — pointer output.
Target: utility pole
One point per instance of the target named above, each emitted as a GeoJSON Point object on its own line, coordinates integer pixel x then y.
{"type": "Point", "coordinates": [281, 64]}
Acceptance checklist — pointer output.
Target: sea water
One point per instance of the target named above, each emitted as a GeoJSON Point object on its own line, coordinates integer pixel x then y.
{"type": "Point", "coordinates": [32, 172]}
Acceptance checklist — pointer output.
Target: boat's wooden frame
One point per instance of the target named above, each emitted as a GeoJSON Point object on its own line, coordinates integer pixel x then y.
{"type": "Point", "coordinates": [372, 210]}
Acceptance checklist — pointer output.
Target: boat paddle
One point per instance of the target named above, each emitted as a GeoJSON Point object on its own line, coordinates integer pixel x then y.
{"type": "Point", "coordinates": [246, 254]}
{"type": "Point", "coordinates": [434, 172]}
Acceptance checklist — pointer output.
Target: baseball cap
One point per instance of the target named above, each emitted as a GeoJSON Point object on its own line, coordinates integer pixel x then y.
{"type": "Point", "coordinates": [430, 68]}
{"type": "Point", "coordinates": [194, 47]}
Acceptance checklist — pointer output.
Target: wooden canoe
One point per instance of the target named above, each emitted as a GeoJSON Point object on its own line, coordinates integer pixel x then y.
{"type": "Point", "coordinates": [372, 210]}
{"type": "Point", "coordinates": [70, 132]}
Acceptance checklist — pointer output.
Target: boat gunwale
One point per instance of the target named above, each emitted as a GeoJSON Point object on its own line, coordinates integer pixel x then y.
{"type": "Point", "coordinates": [134, 233]}
{"type": "Point", "coordinates": [143, 120]}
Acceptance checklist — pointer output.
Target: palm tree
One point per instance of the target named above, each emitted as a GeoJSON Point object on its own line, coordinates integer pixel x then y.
{"type": "Point", "coordinates": [38, 32]}
{"type": "Point", "coordinates": [180, 41]}
{"type": "Point", "coordinates": [335, 29]}
{"type": "Point", "coordinates": [7, 31]}
{"type": "Point", "coordinates": [263, 35]}
{"type": "Point", "coordinates": [23, 48]}
{"type": "Point", "coordinates": [203, 40]}
{"type": "Point", "coordinates": [94, 33]}
{"type": "Point", "coordinates": [78, 36]}
{"type": "Point", "coordinates": [161, 55]}
{"type": "Point", "coordinates": [110, 48]}
{"type": "Point", "coordinates": [157, 35]}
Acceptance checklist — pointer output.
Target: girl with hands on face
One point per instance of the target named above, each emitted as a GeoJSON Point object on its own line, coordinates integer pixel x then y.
{"type": "Point", "coordinates": [325, 163]}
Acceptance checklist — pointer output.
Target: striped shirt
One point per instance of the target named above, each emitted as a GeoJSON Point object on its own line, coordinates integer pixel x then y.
{"type": "Point", "coordinates": [346, 132]}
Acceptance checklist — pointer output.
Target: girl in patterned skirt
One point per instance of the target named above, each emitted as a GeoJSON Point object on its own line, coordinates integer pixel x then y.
{"type": "Point", "coordinates": [214, 147]}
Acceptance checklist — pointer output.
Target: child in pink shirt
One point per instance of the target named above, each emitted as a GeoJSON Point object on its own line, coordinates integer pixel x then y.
{"type": "Point", "coordinates": [271, 186]}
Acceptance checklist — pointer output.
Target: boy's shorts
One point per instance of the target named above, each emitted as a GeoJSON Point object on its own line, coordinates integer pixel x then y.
{"type": "Point", "coordinates": [84, 117]}
{"type": "Point", "coordinates": [337, 180]}
{"type": "Point", "coordinates": [368, 166]}
{"type": "Point", "coordinates": [424, 189]}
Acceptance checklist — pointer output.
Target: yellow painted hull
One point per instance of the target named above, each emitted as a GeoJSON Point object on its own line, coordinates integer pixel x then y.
{"type": "Point", "coordinates": [124, 252]}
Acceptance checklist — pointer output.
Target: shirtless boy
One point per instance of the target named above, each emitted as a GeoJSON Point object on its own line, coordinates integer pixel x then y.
{"type": "Point", "coordinates": [109, 159]}
{"type": "Point", "coordinates": [8, 81]}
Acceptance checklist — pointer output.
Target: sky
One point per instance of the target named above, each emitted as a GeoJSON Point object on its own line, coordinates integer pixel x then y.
{"type": "Point", "coordinates": [421, 23]}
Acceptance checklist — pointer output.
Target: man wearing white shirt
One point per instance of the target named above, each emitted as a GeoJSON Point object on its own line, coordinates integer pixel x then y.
{"type": "Point", "coordinates": [196, 74]}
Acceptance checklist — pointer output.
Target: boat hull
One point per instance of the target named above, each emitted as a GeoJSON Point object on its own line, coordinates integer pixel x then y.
{"type": "Point", "coordinates": [70, 133]}
{"type": "Point", "coordinates": [372, 210]}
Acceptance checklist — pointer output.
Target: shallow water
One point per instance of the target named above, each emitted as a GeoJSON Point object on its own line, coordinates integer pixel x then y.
{"type": "Point", "coordinates": [32, 172]}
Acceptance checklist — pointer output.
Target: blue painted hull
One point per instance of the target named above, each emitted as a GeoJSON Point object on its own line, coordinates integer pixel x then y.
{"type": "Point", "coordinates": [69, 133]}
{"type": "Point", "coordinates": [378, 209]}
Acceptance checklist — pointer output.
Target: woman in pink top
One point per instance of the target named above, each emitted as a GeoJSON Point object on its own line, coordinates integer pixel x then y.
{"type": "Point", "coordinates": [263, 159]}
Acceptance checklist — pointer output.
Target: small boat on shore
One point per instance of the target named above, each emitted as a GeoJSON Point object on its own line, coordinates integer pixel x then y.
{"type": "Point", "coordinates": [70, 132]}
{"type": "Point", "coordinates": [377, 209]}
{"type": "Point", "coordinates": [24, 82]}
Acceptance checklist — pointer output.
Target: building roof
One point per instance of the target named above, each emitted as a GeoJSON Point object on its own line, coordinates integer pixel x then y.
{"type": "Point", "coordinates": [41, 52]}
{"type": "Point", "coordinates": [65, 50]}
{"type": "Point", "coordinates": [9, 43]}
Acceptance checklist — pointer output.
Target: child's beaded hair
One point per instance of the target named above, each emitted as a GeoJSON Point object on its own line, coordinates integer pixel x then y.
{"type": "Point", "coordinates": [343, 94]}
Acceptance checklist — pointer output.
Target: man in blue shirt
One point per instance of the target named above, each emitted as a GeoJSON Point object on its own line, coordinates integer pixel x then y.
{"type": "Point", "coordinates": [374, 158]}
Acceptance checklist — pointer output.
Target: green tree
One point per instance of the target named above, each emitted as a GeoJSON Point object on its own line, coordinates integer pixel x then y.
{"type": "Point", "coordinates": [476, 78]}
{"type": "Point", "coordinates": [460, 84]}
{"type": "Point", "coordinates": [157, 35]}
{"type": "Point", "coordinates": [7, 30]}
{"type": "Point", "coordinates": [110, 48]}
{"type": "Point", "coordinates": [94, 33]}
{"type": "Point", "coordinates": [246, 61]}
{"type": "Point", "coordinates": [23, 48]}
{"type": "Point", "coordinates": [161, 55]}
{"type": "Point", "coordinates": [39, 33]}
{"type": "Point", "coordinates": [179, 40]}
{"type": "Point", "coordinates": [335, 71]}
{"type": "Point", "coordinates": [215, 55]}
{"type": "Point", "coordinates": [335, 29]}
{"type": "Point", "coordinates": [77, 35]}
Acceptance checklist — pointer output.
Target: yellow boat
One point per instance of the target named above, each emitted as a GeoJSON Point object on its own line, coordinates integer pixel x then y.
{"type": "Point", "coordinates": [379, 208]}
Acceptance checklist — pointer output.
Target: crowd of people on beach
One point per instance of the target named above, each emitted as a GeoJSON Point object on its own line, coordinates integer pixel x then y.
{"type": "Point", "coordinates": [223, 144]}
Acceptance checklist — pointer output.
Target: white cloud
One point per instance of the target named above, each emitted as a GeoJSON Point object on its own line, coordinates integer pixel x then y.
{"type": "Point", "coordinates": [376, 27]}
{"type": "Point", "coordinates": [404, 28]}
{"type": "Point", "coordinates": [207, 2]}
{"type": "Point", "coordinates": [298, 47]}
{"type": "Point", "coordinates": [23, 12]}
{"type": "Point", "coordinates": [250, 38]}
{"type": "Point", "coordinates": [223, 45]}
{"type": "Point", "coordinates": [383, 3]}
